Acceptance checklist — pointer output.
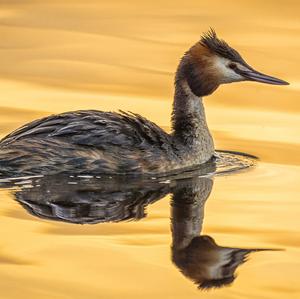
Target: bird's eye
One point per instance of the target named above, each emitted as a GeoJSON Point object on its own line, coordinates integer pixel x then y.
{"type": "Point", "coordinates": [232, 66]}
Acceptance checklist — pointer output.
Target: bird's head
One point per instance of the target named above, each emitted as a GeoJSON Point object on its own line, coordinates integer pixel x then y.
{"type": "Point", "coordinates": [210, 265]}
{"type": "Point", "coordinates": [211, 62]}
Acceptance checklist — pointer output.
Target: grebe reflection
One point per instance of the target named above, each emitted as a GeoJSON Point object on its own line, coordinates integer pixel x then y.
{"type": "Point", "coordinates": [98, 200]}
{"type": "Point", "coordinates": [197, 256]}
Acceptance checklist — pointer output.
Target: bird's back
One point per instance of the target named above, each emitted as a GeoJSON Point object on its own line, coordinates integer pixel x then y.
{"type": "Point", "coordinates": [87, 141]}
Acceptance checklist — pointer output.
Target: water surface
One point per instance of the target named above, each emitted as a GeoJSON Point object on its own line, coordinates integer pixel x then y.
{"type": "Point", "coordinates": [67, 55]}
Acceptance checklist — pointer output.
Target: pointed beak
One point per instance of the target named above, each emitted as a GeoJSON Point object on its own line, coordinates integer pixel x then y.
{"type": "Point", "coordinates": [253, 75]}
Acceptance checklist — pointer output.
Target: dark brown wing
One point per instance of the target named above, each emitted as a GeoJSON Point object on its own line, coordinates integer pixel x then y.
{"type": "Point", "coordinates": [87, 141]}
{"type": "Point", "coordinates": [94, 128]}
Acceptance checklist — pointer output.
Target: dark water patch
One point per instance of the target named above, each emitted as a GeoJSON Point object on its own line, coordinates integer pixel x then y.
{"type": "Point", "coordinates": [231, 161]}
{"type": "Point", "coordinates": [11, 260]}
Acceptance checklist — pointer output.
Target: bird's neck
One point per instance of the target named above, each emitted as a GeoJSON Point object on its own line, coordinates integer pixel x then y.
{"type": "Point", "coordinates": [190, 131]}
{"type": "Point", "coordinates": [187, 212]}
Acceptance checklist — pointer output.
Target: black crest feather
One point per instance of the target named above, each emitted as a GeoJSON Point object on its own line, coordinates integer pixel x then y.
{"type": "Point", "coordinates": [219, 46]}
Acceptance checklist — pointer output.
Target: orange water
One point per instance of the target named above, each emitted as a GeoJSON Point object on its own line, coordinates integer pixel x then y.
{"type": "Point", "coordinates": [57, 56]}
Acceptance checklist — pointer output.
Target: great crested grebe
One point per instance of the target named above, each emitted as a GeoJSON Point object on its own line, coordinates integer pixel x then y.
{"type": "Point", "coordinates": [126, 143]}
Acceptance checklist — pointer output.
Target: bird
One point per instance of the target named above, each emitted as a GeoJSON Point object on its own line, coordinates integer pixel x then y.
{"type": "Point", "coordinates": [126, 143]}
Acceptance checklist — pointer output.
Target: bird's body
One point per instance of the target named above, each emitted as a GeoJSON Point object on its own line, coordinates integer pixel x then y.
{"type": "Point", "coordinates": [99, 142]}
{"type": "Point", "coordinates": [89, 141]}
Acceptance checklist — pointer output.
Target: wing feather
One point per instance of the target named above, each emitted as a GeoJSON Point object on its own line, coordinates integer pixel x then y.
{"type": "Point", "coordinates": [94, 128]}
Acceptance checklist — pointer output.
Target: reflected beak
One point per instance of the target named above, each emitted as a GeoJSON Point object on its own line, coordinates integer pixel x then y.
{"type": "Point", "coordinates": [253, 75]}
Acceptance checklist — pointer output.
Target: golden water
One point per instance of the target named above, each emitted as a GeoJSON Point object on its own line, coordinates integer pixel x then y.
{"type": "Point", "coordinates": [57, 56]}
